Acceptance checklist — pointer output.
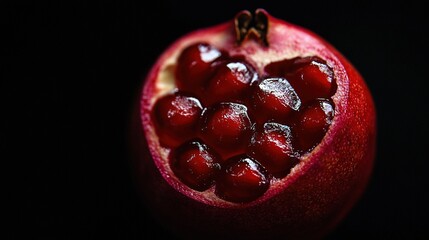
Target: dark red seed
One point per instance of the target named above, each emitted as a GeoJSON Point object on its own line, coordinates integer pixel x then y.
{"type": "Point", "coordinates": [195, 67]}
{"type": "Point", "coordinates": [311, 77]}
{"type": "Point", "coordinates": [314, 80]}
{"type": "Point", "coordinates": [227, 128]}
{"type": "Point", "coordinates": [312, 123]}
{"type": "Point", "coordinates": [271, 145]}
{"type": "Point", "coordinates": [231, 82]}
{"type": "Point", "coordinates": [274, 99]}
{"type": "Point", "coordinates": [176, 118]}
{"type": "Point", "coordinates": [243, 180]}
{"type": "Point", "coordinates": [195, 165]}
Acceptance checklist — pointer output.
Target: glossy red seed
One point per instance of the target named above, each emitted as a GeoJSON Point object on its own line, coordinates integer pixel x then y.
{"type": "Point", "coordinates": [312, 123]}
{"type": "Point", "coordinates": [311, 77]}
{"type": "Point", "coordinates": [311, 81]}
{"type": "Point", "coordinates": [271, 145]}
{"type": "Point", "coordinates": [195, 66]}
{"type": "Point", "coordinates": [227, 128]}
{"type": "Point", "coordinates": [274, 99]}
{"type": "Point", "coordinates": [195, 165]}
{"type": "Point", "coordinates": [231, 82]}
{"type": "Point", "coordinates": [242, 181]}
{"type": "Point", "coordinates": [176, 118]}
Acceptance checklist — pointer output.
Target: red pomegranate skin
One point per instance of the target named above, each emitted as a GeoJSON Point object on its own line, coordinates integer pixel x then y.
{"type": "Point", "coordinates": [306, 204]}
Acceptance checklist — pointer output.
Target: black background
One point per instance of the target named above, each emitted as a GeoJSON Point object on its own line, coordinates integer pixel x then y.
{"type": "Point", "coordinates": [71, 71]}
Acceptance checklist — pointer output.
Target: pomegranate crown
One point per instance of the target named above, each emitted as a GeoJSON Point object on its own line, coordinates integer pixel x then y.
{"type": "Point", "coordinates": [248, 25]}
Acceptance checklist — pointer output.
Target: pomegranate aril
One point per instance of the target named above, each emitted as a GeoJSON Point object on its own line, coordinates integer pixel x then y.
{"type": "Point", "coordinates": [271, 146]}
{"type": "Point", "coordinates": [311, 77]}
{"type": "Point", "coordinates": [314, 80]}
{"type": "Point", "coordinates": [312, 123]}
{"type": "Point", "coordinates": [243, 180]}
{"type": "Point", "coordinates": [274, 99]}
{"type": "Point", "coordinates": [195, 66]}
{"type": "Point", "coordinates": [176, 118]}
{"type": "Point", "coordinates": [227, 128]}
{"type": "Point", "coordinates": [231, 82]}
{"type": "Point", "coordinates": [195, 165]}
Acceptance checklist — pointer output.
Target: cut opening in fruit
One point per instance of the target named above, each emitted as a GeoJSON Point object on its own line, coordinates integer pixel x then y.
{"type": "Point", "coordinates": [252, 123]}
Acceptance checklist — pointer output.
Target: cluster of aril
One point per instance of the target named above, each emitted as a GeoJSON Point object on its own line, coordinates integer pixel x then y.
{"type": "Point", "coordinates": [233, 128]}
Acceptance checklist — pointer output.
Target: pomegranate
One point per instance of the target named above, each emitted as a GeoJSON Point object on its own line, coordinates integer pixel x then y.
{"type": "Point", "coordinates": [255, 128]}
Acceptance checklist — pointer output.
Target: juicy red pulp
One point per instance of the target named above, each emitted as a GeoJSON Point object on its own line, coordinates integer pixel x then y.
{"type": "Point", "coordinates": [235, 128]}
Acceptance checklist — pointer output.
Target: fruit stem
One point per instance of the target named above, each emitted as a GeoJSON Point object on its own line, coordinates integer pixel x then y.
{"type": "Point", "coordinates": [248, 25]}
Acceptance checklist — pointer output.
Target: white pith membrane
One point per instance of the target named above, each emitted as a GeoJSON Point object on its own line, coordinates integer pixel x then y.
{"type": "Point", "coordinates": [223, 38]}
